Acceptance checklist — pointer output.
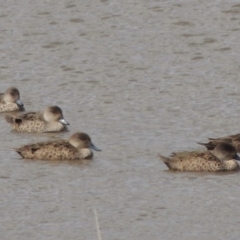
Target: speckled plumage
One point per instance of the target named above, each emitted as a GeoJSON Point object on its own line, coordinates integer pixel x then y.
{"type": "Point", "coordinates": [37, 122]}
{"type": "Point", "coordinates": [10, 100]}
{"type": "Point", "coordinates": [202, 161]}
{"type": "Point", "coordinates": [77, 147]}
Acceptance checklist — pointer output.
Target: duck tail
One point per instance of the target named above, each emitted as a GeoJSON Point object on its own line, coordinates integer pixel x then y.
{"type": "Point", "coordinates": [163, 158]}
{"type": "Point", "coordinates": [209, 145]}
{"type": "Point", "coordinates": [213, 139]}
{"type": "Point", "coordinates": [166, 160]}
{"type": "Point", "coordinates": [17, 150]}
{"type": "Point", "coordinates": [9, 119]}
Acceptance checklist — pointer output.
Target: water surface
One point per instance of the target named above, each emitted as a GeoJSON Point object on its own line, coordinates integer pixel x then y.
{"type": "Point", "coordinates": [142, 78]}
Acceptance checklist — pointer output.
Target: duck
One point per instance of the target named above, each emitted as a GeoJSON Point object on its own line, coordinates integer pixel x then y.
{"type": "Point", "coordinates": [77, 147]}
{"type": "Point", "coordinates": [233, 140]}
{"type": "Point", "coordinates": [221, 158]}
{"type": "Point", "coordinates": [51, 120]}
{"type": "Point", "coordinates": [10, 100]}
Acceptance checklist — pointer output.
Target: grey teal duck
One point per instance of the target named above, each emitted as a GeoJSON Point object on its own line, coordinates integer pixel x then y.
{"type": "Point", "coordinates": [51, 120]}
{"type": "Point", "coordinates": [77, 147]}
{"type": "Point", "coordinates": [221, 158]}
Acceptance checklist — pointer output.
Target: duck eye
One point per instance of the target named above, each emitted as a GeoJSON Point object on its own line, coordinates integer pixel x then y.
{"type": "Point", "coordinates": [83, 138]}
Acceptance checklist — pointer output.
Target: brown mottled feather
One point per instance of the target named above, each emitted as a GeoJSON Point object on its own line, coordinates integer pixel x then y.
{"type": "Point", "coordinates": [9, 107]}
{"type": "Point", "coordinates": [58, 150]}
{"type": "Point", "coordinates": [30, 116]}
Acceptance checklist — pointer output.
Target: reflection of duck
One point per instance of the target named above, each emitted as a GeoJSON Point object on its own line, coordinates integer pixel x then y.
{"type": "Point", "coordinates": [234, 140]}
{"type": "Point", "coordinates": [221, 158]}
{"type": "Point", "coordinates": [10, 100]}
{"type": "Point", "coordinates": [51, 120]}
{"type": "Point", "coordinates": [77, 147]}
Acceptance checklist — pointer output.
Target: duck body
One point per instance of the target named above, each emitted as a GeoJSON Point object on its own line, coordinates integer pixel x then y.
{"type": "Point", "coordinates": [57, 150]}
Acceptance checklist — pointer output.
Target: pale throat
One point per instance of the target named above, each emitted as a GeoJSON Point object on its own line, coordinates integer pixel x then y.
{"type": "Point", "coordinates": [231, 164]}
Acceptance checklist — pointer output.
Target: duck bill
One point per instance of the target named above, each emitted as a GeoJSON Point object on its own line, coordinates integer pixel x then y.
{"type": "Point", "coordinates": [237, 158]}
{"type": "Point", "coordinates": [19, 103]}
{"type": "Point", "coordinates": [63, 121]}
{"type": "Point", "coordinates": [92, 146]}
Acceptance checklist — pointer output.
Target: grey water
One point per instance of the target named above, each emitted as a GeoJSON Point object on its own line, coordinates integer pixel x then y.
{"type": "Point", "coordinates": [141, 78]}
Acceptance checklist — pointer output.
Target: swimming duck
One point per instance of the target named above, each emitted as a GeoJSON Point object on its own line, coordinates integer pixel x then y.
{"type": "Point", "coordinates": [51, 120]}
{"type": "Point", "coordinates": [77, 147]}
{"type": "Point", "coordinates": [233, 140]}
{"type": "Point", "coordinates": [221, 158]}
{"type": "Point", "coordinates": [10, 100]}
